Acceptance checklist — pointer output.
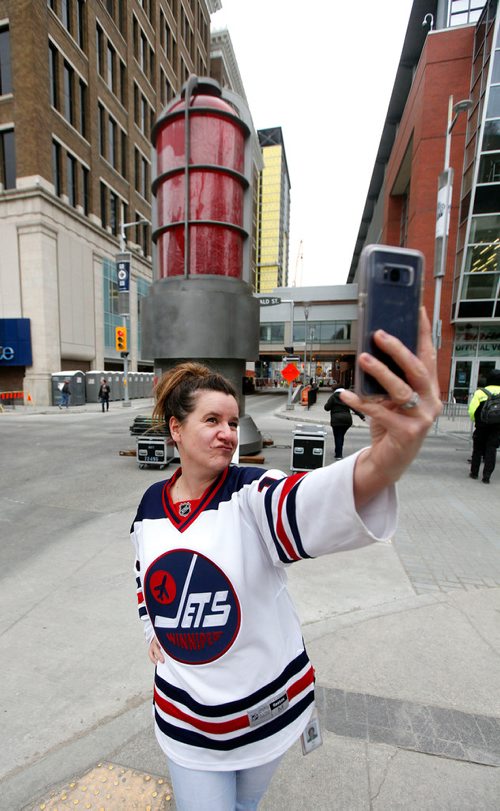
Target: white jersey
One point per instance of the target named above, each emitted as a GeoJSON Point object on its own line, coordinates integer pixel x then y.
{"type": "Point", "coordinates": [237, 687]}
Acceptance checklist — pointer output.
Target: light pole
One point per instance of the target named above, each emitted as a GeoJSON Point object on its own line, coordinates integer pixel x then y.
{"type": "Point", "coordinates": [125, 315]}
{"type": "Point", "coordinates": [306, 316]}
{"type": "Point", "coordinates": [312, 335]}
{"type": "Point", "coordinates": [445, 191]}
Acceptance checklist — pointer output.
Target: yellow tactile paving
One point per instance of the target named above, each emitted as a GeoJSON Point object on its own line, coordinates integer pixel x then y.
{"type": "Point", "coordinates": [109, 786]}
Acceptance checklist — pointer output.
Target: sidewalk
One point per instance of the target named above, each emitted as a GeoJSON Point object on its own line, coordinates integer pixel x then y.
{"type": "Point", "coordinates": [405, 640]}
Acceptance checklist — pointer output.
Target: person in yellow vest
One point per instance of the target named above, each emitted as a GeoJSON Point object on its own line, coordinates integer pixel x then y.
{"type": "Point", "coordinates": [486, 437]}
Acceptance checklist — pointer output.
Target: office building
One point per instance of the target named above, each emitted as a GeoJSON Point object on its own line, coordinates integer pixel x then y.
{"type": "Point", "coordinates": [273, 214]}
{"type": "Point", "coordinates": [451, 54]}
{"type": "Point", "coordinates": [81, 84]}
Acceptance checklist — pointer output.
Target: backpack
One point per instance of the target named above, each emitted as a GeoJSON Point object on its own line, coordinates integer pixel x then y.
{"type": "Point", "coordinates": [490, 412]}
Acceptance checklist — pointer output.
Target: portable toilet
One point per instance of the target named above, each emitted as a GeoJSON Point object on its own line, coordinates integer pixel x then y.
{"type": "Point", "coordinates": [76, 383]}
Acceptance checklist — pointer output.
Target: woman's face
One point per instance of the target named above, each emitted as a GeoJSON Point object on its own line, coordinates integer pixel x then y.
{"type": "Point", "coordinates": [208, 437]}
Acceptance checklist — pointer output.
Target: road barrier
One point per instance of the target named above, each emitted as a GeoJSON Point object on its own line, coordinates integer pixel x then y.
{"type": "Point", "coordinates": [10, 398]}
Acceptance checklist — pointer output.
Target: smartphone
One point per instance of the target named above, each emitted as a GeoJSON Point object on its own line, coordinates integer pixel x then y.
{"type": "Point", "coordinates": [390, 292]}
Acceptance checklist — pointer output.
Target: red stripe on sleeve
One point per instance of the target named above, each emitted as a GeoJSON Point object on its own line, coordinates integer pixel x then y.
{"type": "Point", "coordinates": [290, 482]}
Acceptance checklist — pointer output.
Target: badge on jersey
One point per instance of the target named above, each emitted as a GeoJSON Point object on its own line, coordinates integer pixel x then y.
{"type": "Point", "coordinates": [311, 737]}
{"type": "Point", "coordinates": [192, 605]}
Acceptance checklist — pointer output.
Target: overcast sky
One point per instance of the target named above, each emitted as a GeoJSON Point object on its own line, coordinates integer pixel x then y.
{"type": "Point", "coordinates": [323, 71]}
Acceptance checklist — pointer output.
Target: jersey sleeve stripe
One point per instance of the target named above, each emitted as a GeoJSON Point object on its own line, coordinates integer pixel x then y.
{"type": "Point", "coordinates": [291, 514]}
{"type": "Point", "coordinates": [280, 529]}
{"type": "Point", "coordinates": [283, 554]}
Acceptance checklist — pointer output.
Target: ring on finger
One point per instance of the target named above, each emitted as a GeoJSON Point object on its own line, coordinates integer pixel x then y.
{"type": "Point", "coordinates": [412, 402]}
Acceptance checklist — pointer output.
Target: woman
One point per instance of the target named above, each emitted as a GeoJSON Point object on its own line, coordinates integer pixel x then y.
{"type": "Point", "coordinates": [340, 419]}
{"type": "Point", "coordinates": [234, 688]}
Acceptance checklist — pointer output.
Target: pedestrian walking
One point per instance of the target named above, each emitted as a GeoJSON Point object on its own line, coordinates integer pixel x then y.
{"type": "Point", "coordinates": [65, 394]}
{"type": "Point", "coordinates": [340, 419]}
{"type": "Point", "coordinates": [103, 395]}
{"type": "Point", "coordinates": [233, 684]}
{"type": "Point", "coordinates": [486, 436]}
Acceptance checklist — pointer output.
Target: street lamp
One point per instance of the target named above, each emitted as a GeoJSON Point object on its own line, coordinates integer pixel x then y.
{"type": "Point", "coordinates": [125, 315]}
{"type": "Point", "coordinates": [445, 190]}
{"type": "Point", "coordinates": [306, 316]}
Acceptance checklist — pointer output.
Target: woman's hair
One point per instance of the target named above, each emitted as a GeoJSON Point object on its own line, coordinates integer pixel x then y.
{"type": "Point", "coordinates": [176, 389]}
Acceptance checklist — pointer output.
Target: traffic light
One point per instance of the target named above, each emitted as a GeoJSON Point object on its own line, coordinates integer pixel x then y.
{"type": "Point", "coordinates": [121, 339]}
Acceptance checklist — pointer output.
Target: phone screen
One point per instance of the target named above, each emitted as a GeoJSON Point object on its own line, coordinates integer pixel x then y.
{"type": "Point", "coordinates": [389, 299]}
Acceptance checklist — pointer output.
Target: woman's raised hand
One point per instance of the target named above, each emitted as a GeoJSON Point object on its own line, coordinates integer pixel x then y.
{"type": "Point", "coordinates": [399, 423]}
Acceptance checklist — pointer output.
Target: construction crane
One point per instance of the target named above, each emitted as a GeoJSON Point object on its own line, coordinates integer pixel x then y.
{"type": "Point", "coordinates": [297, 279]}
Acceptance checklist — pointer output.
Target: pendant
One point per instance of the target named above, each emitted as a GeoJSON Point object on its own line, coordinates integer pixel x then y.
{"type": "Point", "coordinates": [184, 508]}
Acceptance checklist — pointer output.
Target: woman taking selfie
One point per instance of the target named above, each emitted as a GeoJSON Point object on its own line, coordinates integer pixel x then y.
{"type": "Point", "coordinates": [234, 687]}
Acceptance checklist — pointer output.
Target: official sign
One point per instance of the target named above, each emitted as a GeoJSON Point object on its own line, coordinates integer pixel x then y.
{"type": "Point", "coordinates": [270, 301]}
{"type": "Point", "coordinates": [123, 272]}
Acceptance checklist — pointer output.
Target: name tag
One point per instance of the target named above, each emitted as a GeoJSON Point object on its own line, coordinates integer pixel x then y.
{"type": "Point", "coordinates": [264, 713]}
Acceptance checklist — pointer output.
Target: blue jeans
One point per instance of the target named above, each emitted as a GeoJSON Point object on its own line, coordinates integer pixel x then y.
{"type": "Point", "coordinates": [242, 790]}
{"type": "Point", "coordinates": [64, 399]}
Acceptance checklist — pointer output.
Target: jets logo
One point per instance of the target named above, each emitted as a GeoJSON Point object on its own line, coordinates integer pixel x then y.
{"type": "Point", "coordinates": [193, 607]}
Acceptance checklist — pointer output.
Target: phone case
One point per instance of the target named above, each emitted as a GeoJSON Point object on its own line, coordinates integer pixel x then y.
{"type": "Point", "coordinates": [390, 291]}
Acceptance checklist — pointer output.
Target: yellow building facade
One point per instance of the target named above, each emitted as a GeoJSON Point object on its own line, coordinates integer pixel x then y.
{"type": "Point", "coordinates": [273, 215]}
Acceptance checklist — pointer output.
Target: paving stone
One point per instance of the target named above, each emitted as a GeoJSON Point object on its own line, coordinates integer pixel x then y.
{"type": "Point", "coordinates": [409, 725]}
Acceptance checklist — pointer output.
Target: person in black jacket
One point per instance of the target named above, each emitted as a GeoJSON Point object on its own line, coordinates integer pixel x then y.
{"type": "Point", "coordinates": [104, 392]}
{"type": "Point", "coordinates": [340, 419]}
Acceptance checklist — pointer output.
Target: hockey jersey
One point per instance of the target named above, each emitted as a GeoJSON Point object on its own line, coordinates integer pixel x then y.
{"type": "Point", "coordinates": [237, 687]}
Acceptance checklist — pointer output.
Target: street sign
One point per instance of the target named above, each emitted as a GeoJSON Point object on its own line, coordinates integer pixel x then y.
{"type": "Point", "coordinates": [269, 302]}
{"type": "Point", "coordinates": [123, 271]}
{"type": "Point", "coordinates": [290, 372]}
{"type": "Point", "coordinates": [289, 359]}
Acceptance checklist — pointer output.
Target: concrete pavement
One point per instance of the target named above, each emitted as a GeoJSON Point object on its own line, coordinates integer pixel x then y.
{"type": "Point", "coordinates": [405, 640]}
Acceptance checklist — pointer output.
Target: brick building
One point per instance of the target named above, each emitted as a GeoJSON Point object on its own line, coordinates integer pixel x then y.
{"type": "Point", "coordinates": [81, 83]}
{"type": "Point", "coordinates": [456, 53]}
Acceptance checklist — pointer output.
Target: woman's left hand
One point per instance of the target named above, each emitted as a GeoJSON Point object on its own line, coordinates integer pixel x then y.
{"type": "Point", "coordinates": [397, 430]}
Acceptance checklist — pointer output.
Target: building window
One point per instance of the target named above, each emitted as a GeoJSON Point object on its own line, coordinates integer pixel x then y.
{"type": "Point", "coordinates": [104, 204]}
{"type": "Point", "coordinates": [71, 180]}
{"type": "Point", "coordinates": [123, 84]}
{"type": "Point", "coordinates": [53, 64]}
{"type": "Point", "coordinates": [56, 168]}
{"type": "Point", "coordinates": [66, 15]}
{"type": "Point", "coordinates": [7, 159]}
{"type": "Point", "coordinates": [464, 12]}
{"type": "Point", "coordinates": [124, 146]}
{"type": "Point", "coordinates": [68, 77]}
{"type": "Point", "coordinates": [99, 49]}
{"type": "Point", "coordinates": [111, 57]}
{"type": "Point", "coordinates": [112, 317]}
{"type": "Point", "coordinates": [114, 214]}
{"type": "Point", "coordinates": [82, 124]}
{"type": "Point", "coordinates": [80, 23]}
{"type": "Point", "coordinates": [101, 130]}
{"type": "Point", "coordinates": [5, 70]}
{"type": "Point", "coordinates": [85, 189]}
{"type": "Point", "coordinates": [272, 333]}
{"type": "Point", "coordinates": [112, 131]}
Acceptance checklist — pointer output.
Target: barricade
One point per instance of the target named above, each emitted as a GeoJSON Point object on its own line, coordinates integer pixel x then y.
{"type": "Point", "coordinates": [10, 398]}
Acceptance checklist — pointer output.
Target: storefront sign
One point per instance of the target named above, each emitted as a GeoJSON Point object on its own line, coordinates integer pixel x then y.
{"type": "Point", "coordinates": [15, 342]}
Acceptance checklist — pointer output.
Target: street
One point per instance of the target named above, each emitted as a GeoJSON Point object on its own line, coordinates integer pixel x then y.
{"type": "Point", "coordinates": [413, 624]}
